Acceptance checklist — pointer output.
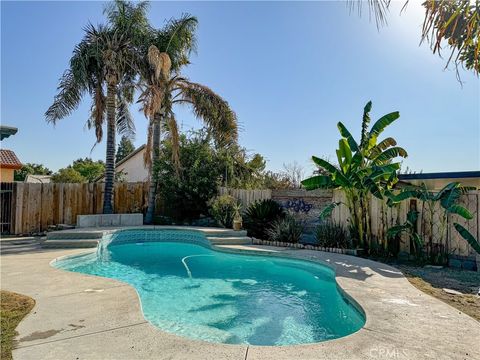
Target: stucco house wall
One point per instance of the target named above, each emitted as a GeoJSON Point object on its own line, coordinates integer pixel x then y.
{"type": "Point", "coordinates": [131, 168]}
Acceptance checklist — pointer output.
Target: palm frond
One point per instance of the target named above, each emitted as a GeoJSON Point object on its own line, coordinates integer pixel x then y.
{"type": "Point", "coordinates": [125, 122]}
{"type": "Point", "coordinates": [376, 8]}
{"type": "Point", "coordinates": [178, 39]}
{"type": "Point", "coordinates": [97, 112]}
{"type": "Point", "coordinates": [211, 108]}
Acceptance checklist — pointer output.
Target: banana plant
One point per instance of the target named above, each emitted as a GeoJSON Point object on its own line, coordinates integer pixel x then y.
{"type": "Point", "coordinates": [448, 198]}
{"type": "Point", "coordinates": [364, 168]}
{"type": "Point", "coordinates": [410, 228]}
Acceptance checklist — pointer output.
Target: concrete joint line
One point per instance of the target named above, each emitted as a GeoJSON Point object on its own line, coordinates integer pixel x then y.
{"type": "Point", "coordinates": [246, 352]}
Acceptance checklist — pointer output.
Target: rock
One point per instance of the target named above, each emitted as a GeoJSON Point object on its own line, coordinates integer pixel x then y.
{"type": "Point", "coordinates": [438, 267]}
{"type": "Point", "coordinates": [452, 292]}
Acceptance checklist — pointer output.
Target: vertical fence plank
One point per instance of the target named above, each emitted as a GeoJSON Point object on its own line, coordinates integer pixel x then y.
{"type": "Point", "coordinates": [19, 208]}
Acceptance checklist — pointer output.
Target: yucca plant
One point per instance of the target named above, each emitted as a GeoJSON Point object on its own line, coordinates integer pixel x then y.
{"type": "Point", "coordinates": [331, 234]}
{"type": "Point", "coordinates": [260, 215]}
{"type": "Point", "coordinates": [287, 230]}
{"type": "Point", "coordinates": [364, 168]}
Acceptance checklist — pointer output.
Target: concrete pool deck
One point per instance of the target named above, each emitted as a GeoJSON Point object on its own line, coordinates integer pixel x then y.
{"type": "Point", "coordinates": [78, 316]}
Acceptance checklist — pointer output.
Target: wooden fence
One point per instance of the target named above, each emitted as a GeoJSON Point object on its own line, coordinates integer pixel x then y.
{"type": "Point", "coordinates": [246, 197]}
{"type": "Point", "coordinates": [439, 234]}
{"type": "Point", "coordinates": [36, 206]}
{"type": "Point", "coordinates": [436, 230]}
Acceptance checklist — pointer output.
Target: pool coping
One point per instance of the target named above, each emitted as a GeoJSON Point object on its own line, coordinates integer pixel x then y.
{"type": "Point", "coordinates": [401, 321]}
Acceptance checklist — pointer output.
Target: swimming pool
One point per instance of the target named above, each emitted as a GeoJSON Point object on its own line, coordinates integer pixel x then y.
{"type": "Point", "coordinates": [189, 289]}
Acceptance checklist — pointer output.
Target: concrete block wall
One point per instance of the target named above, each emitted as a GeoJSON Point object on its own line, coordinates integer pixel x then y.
{"type": "Point", "coordinates": [104, 220]}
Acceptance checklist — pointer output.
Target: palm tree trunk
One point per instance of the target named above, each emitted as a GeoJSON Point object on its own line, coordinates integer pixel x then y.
{"type": "Point", "coordinates": [110, 158]}
{"type": "Point", "coordinates": [152, 190]}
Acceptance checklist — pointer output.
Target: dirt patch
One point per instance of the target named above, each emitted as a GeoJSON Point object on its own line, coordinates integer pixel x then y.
{"type": "Point", "coordinates": [13, 308]}
{"type": "Point", "coordinates": [433, 281]}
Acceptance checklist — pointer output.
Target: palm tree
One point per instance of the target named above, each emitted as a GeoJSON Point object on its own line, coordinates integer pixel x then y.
{"type": "Point", "coordinates": [104, 60]}
{"type": "Point", "coordinates": [163, 87]}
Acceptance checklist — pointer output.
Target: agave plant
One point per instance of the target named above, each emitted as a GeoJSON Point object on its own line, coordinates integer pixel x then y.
{"type": "Point", "coordinates": [260, 215]}
{"type": "Point", "coordinates": [448, 198]}
{"type": "Point", "coordinates": [364, 168]}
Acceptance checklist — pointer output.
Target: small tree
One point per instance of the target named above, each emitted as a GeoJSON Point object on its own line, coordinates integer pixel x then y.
{"type": "Point", "coordinates": [187, 197]}
{"type": "Point", "coordinates": [89, 169]}
{"type": "Point", "coordinates": [68, 175]}
{"type": "Point", "coordinates": [31, 169]}
{"type": "Point", "coordinates": [125, 147]}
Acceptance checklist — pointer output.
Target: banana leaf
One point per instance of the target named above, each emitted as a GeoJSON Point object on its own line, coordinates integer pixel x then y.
{"type": "Point", "coordinates": [327, 211]}
{"type": "Point", "coordinates": [346, 134]}
{"type": "Point", "coordinates": [460, 210]}
{"type": "Point", "coordinates": [467, 236]}
{"type": "Point", "coordinates": [390, 154]}
{"type": "Point", "coordinates": [380, 125]}
{"type": "Point", "coordinates": [319, 182]}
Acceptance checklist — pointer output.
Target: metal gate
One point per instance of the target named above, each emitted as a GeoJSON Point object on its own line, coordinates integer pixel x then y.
{"type": "Point", "coordinates": [7, 199]}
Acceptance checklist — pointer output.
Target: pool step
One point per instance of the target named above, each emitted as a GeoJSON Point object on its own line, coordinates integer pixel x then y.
{"type": "Point", "coordinates": [229, 240]}
{"type": "Point", "coordinates": [74, 235]}
{"type": "Point", "coordinates": [224, 232]}
{"type": "Point", "coordinates": [67, 239]}
{"type": "Point", "coordinates": [72, 243]}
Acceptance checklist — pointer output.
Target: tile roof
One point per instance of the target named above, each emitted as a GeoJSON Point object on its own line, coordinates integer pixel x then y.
{"type": "Point", "coordinates": [9, 160]}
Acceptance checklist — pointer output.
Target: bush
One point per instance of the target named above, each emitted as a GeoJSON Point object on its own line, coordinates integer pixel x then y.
{"type": "Point", "coordinates": [287, 230]}
{"type": "Point", "coordinates": [185, 197]}
{"type": "Point", "coordinates": [223, 209]}
{"type": "Point", "coordinates": [331, 234]}
{"type": "Point", "coordinates": [260, 216]}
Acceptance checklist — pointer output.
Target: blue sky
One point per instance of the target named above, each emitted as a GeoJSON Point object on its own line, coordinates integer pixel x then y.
{"type": "Point", "coordinates": [291, 71]}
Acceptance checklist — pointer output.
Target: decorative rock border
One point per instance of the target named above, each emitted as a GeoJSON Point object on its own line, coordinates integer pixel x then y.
{"type": "Point", "coordinates": [354, 252]}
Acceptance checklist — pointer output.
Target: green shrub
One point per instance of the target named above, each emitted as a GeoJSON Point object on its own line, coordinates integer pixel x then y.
{"type": "Point", "coordinates": [331, 234]}
{"type": "Point", "coordinates": [223, 209]}
{"type": "Point", "coordinates": [287, 230]}
{"type": "Point", "coordinates": [260, 216]}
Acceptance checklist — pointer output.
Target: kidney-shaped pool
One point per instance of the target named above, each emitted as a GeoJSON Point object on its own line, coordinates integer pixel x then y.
{"type": "Point", "coordinates": [189, 289]}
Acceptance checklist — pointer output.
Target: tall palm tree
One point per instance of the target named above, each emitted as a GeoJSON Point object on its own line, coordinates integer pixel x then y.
{"type": "Point", "coordinates": [163, 87]}
{"type": "Point", "coordinates": [104, 61]}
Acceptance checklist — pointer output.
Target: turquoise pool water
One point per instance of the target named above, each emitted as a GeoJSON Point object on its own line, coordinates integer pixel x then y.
{"type": "Point", "coordinates": [191, 290]}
